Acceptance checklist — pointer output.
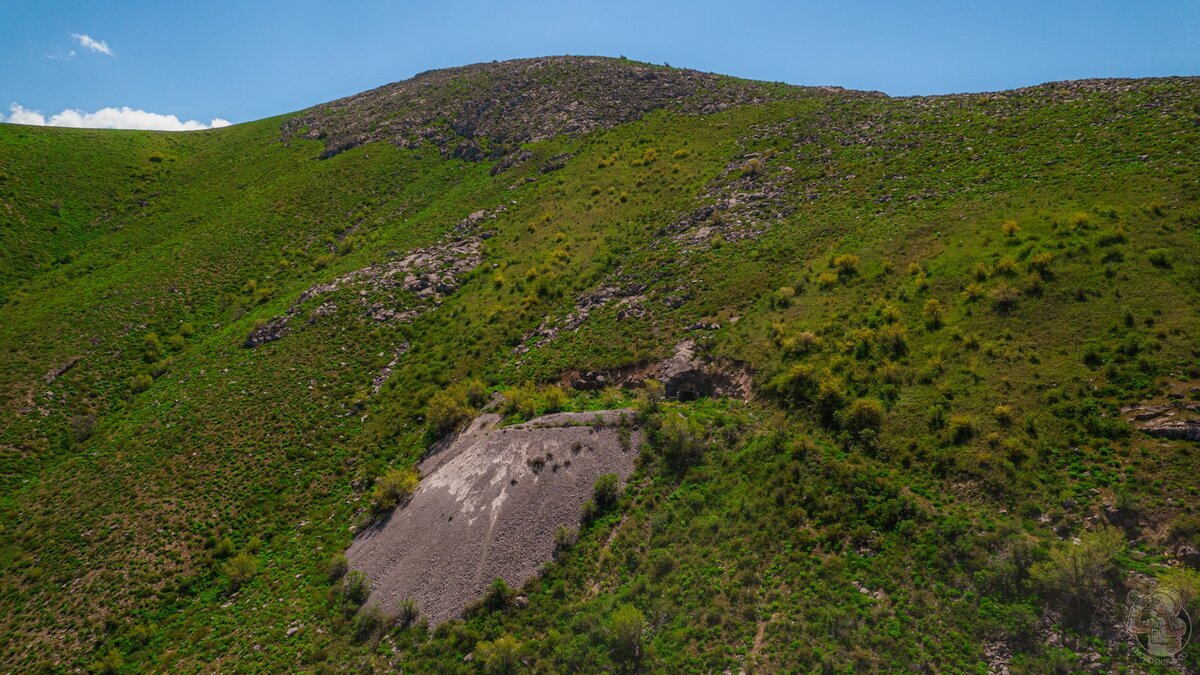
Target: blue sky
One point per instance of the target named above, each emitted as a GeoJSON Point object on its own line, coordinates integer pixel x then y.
{"type": "Point", "coordinates": [240, 61]}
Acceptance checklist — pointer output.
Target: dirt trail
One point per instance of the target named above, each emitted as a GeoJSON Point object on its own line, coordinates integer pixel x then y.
{"type": "Point", "coordinates": [487, 508]}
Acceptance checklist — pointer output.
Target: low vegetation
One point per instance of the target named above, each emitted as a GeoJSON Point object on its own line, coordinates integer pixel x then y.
{"type": "Point", "coordinates": [943, 304]}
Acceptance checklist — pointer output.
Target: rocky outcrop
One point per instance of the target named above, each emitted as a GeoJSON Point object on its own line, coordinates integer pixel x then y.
{"type": "Point", "coordinates": [1177, 416]}
{"type": "Point", "coordinates": [685, 376]}
{"type": "Point", "coordinates": [627, 295]}
{"type": "Point", "coordinates": [269, 331]}
{"type": "Point", "coordinates": [55, 373]}
{"type": "Point", "coordinates": [396, 290]}
{"type": "Point", "coordinates": [487, 110]}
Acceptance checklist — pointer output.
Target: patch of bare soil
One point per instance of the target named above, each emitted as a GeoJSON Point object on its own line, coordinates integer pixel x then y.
{"type": "Point", "coordinates": [487, 508]}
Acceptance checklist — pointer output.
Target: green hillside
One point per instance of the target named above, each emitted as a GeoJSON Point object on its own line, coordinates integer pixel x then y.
{"type": "Point", "coordinates": [944, 304]}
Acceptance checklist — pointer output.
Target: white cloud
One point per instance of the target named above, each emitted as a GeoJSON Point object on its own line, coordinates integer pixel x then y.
{"type": "Point", "coordinates": [99, 46]}
{"type": "Point", "coordinates": [110, 118]}
{"type": "Point", "coordinates": [19, 115]}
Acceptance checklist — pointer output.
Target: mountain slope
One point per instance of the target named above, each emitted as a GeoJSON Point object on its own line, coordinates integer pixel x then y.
{"type": "Point", "coordinates": [213, 349]}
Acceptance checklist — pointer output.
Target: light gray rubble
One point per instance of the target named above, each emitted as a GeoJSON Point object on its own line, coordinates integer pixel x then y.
{"type": "Point", "coordinates": [488, 506]}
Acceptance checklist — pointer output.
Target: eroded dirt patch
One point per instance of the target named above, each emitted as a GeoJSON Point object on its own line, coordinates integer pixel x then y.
{"type": "Point", "coordinates": [487, 508]}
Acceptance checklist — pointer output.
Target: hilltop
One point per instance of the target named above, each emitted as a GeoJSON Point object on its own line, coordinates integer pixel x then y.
{"type": "Point", "coordinates": [488, 110]}
{"type": "Point", "coordinates": [930, 379]}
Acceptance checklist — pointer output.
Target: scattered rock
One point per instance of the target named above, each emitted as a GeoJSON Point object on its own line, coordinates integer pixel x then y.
{"type": "Point", "coordinates": [429, 274]}
{"type": "Point", "coordinates": [55, 373]}
{"type": "Point", "coordinates": [1171, 416]}
{"type": "Point", "coordinates": [270, 331]}
{"type": "Point", "coordinates": [382, 377]}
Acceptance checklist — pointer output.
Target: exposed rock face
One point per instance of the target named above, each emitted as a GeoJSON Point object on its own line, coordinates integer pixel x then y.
{"type": "Point", "coordinates": [270, 331]}
{"type": "Point", "coordinates": [488, 109]}
{"type": "Point", "coordinates": [685, 376]}
{"type": "Point", "coordinates": [1175, 416]}
{"type": "Point", "coordinates": [488, 507]}
{"type": "Point", "coordinates": [396, 290]}
{"type": "Point", "coordinates": [55, 373]}
{"type": "Point", "coordinates": [627, 295]}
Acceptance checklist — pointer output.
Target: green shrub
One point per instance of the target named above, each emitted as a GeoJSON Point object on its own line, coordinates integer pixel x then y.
{"type": "Point", "coordinates": [394, 487]}
{"type": "Point", "coordinates": [933, 313]}
{"type": "Point", "coordinates": [224, 548]}
{"type": "Point", "coordinates": [140, 382]}
{"type": "Point", "coordinates": [159, 368]}
{"type": "Point", "coordinates": [680, 440]}
{"type": "Point", "coordinates": [473, 391]}
{"type": "Point", "coordinates": [893, 338]}
{"type": "Point", "coordinates": [649, 398]}
{"type": "Point", "coordinates": [627, 628]}
{"type": "Point", "coordinates": [606, 491]}
{"type": "Point", "coordinates": [240, 569]}
{"type": "Point", "coordinates": [798, 383]}
{"type": "Point", "coordinates": [1186, 529]}
{"type": "Point", "coordinates": [446, 412]}
{"type": "Point", "coordinates": [499, 596]}
{"type": "Point", "coordinates": [863, 418]}
{"type": "Point", "coordinates": [846, 264]}
{"type": "Point", "coordinates": [961, 428]}
{"type": "Point", "coordinates": [1077, 573]}
{"type": "Point", "coordinates": [611, 397]}
{"type": "Point", "coordinates": [152, 348]}
{"type": "Point", "coordinates": [587, 511]}
{"type": "Point", "coordinates": [369, 622]}
{"type": "Point", "coordinates": [800, 343]}
{"type": "Point", "coordinates": [565, 537]}
{"type": "Point", "coordinates": [83, 426]}
{"type": "Point", "coordinates": [356, 587]}
{"type": "Point", "coordinates": [554, 399]}
{"type": "Point", "coordinates": [782, 297]}
{"type": "Point", "coordinates": [1032, 284]}
{"type": "Point", "coordinates": [937, 417]}
{"type": "Point", "coordinates": [1004, 298]}
{"type": "Point", "coordinates": [1159, 257]}
{"type": "Point", "coordinates": [522, 401]}
{"type": "Point", "coordinates": [1003, 414]}
{"type": "Point", "coordinates": [1040, 263]}
{"type": "Point", "coordinates": [112, 662]}
{"type": "Point", "coordinates": [831, 396]}
{"type": "Point", "coordinates": [502, 655]}
{"type": "Point", "coordinates": [407, 612]}
{"type": "Point", "coordinates": [337, 566]}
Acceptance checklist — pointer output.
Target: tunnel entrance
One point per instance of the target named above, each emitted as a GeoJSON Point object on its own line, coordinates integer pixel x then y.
{"type": "Point", "coordinates": [689, 386]}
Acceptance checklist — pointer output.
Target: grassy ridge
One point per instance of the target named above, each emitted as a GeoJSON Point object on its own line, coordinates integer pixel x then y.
{"type": "Point", "coordinates": [988, 429]}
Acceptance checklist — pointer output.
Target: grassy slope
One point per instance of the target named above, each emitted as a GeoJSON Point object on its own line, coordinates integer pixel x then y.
{"type": "Point", "coordinates": [112, 542]}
